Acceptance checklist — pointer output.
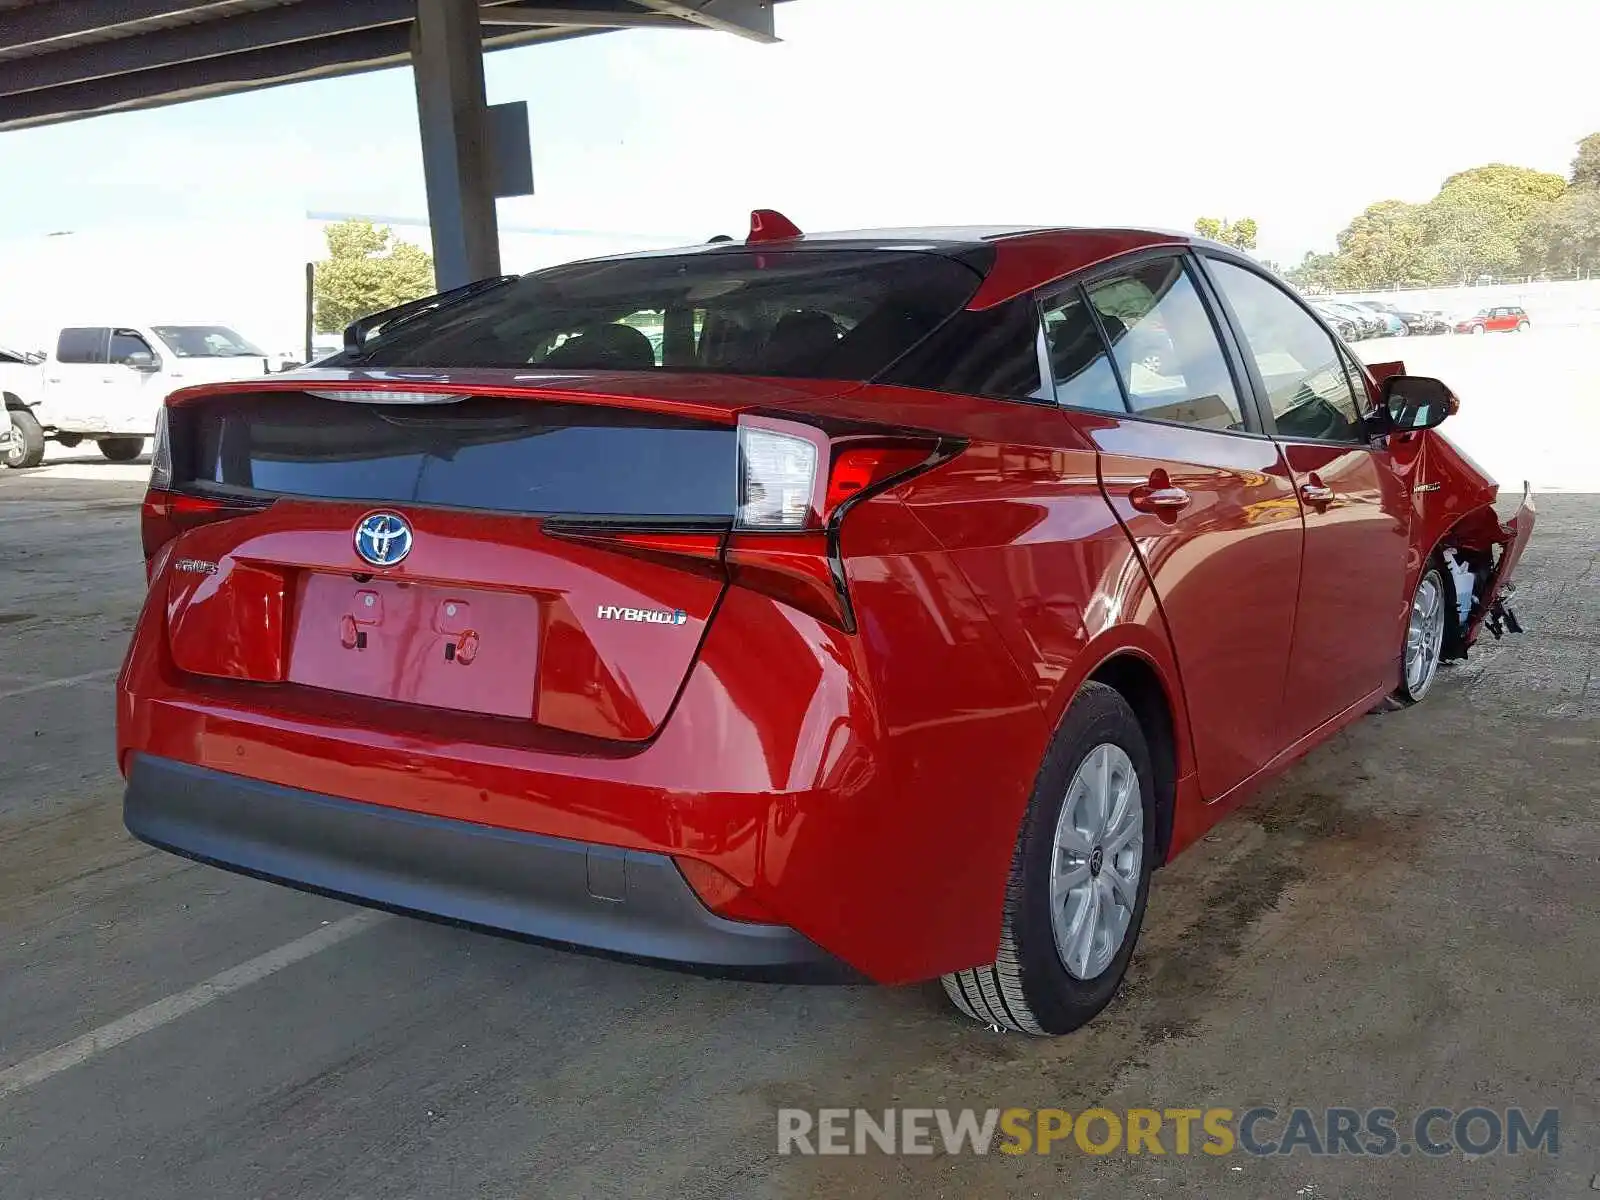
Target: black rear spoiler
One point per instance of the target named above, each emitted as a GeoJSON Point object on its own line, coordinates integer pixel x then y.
{"type": "Point", "coordinates": [357, 332]}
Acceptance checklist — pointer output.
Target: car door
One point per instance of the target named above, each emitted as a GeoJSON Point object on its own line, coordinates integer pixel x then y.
{"type": "Point", "coordinates": [1356, 503]}
{"type": "Point", "coordinates": [77, 379]}
{"type": "Point", "coordinates": [1203, 494]}
{"type": "Point", "coordinates": [136, 391]}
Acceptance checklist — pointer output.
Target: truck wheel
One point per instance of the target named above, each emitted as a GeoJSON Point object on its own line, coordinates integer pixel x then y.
{"type": "Point", "coordinates": [121, 449]}
{"type": "Point", "coordinates": [1079, 878]}
{"type": "Point", "coordinates": [27, 441]}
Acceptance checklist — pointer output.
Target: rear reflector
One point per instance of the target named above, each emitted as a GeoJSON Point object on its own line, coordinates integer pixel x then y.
{"type": "Point", "coordinates": [724, 896]}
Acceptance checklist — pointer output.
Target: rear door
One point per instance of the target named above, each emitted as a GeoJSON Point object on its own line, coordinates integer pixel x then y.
{"type": "Point", "coordinates": [78, 380]}
{"type": "Point", "coordinates": [1204, 495]}
{"type": "Point", "coordinates": [461, 555]}
{"type": "Point", "coordinates": [1356, 503]}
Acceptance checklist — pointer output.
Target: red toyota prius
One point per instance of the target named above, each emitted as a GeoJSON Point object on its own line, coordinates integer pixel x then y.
{"type": "Point", "coordinates": [894, 600]}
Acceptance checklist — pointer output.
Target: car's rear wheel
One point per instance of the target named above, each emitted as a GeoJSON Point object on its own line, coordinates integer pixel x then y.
{"type": "Point", "coordinates": [121, 449]}
{"type": "Point", "coordinates": [1432, 606]}
{"type": "Point", "coordinates": [27, 441]}
{"type": "Point", "coordinates": [1079, 878]}
{"type": "Point", "coordinates": [1522, 327]}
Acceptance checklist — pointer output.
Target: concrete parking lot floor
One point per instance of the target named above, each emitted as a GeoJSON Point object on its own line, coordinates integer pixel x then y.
{"type": "Point", "coordinates": [1408, 919]}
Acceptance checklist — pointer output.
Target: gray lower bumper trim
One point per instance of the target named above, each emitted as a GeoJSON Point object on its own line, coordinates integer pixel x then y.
{"type": "Point", "coordinates": [621, 901]}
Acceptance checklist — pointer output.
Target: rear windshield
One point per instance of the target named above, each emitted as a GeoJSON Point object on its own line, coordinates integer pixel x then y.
{"type": "Point", "coordinates": [837, 314]}
{"type": "Point", "coordinates": [482, 453]}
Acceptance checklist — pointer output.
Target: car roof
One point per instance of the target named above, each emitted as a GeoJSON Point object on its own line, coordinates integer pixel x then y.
{"type": "Point", "coordinates": [1025, 257]}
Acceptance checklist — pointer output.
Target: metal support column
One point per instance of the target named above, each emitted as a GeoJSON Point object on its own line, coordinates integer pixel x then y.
{"type": "Point", "coordinates": [447, 60]}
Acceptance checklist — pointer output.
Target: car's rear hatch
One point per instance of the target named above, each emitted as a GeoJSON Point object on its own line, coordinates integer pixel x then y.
{"type": "Point", "coordinates": [488, 595]}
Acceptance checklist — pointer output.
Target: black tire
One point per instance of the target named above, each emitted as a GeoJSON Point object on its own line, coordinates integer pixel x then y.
{"type": "Point", "coordinates": [1028, 988]}
{"type": "Point", "coordinates": [121, 449]}
{"type": "Point", "coordinates": [27, 441]}
{"type": "Point", "coordinates": [1523, 327]}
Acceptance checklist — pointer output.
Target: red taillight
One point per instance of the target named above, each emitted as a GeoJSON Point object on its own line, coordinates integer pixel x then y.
{"type": "Point", "coordinates": [165, 515]}
{"type": "Point", "coordinates": [855, 470]}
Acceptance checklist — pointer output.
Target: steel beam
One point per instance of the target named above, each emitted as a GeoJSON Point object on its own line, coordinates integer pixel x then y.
{"type": "Point", "coordinates": [191, 43]}
{"type": "Point", "coordinates": [344, 54]}
{"type": "Point", "coordinates": [744, 18]}
{"type": "Point", "coordinates": [447, 60]}
{"type": "Point", "coordinates": [33, 24]}
{"type": "Point", "coordinates": [575, 18]}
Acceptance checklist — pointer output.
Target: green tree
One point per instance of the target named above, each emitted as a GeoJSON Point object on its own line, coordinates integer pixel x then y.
{"type": "Point", "coordinates": [1565, 237]}
{"type": "Point", "coordinates": [1315, 273]}
{"type": "Point", "coordinates": [1479, 221]}
{"type": "Point", "coordinates": [367, 271]}
{"type": "Point", "coordinates": [1586, 166]}
{"type": "Point", "coordinates": [1382, 246]}
{"type": "Point", "coordinates": [1240, 234]}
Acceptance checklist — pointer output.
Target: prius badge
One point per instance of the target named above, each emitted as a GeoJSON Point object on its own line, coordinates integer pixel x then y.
{"type": "Point", "coordinates": [383, 538]}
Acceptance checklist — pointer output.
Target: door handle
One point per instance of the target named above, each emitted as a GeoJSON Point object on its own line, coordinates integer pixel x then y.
{"type": "Point", "coordinates": [1316, 493]}
{"type": "Point", "coordinates": [1163, 501]}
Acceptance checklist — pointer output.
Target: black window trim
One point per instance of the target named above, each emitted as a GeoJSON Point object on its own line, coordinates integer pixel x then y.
{"type": "Point", "coordinates": [1258, 386]}
{"type": "Point", "coordinates": [1080, 282]}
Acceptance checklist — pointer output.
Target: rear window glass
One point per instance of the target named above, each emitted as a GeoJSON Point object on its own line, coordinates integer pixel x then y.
{"type": "Point", "coordinates": [837, 314]}
{"type": "Point", "coordinates": [482, 453]}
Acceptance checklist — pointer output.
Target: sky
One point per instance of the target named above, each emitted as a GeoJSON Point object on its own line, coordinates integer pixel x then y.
{"type": "Point", "coordinates": [1298, 113]}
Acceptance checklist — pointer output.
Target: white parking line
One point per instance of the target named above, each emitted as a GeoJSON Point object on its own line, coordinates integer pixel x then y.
{"type": "Point", "coordinates": [81, 1049]}
{"type": "Point", "coordinates": [87, 677]}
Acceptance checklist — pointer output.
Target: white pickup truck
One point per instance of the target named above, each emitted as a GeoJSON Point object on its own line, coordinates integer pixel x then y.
{"type": "Point", "coordinates": [105, 383]}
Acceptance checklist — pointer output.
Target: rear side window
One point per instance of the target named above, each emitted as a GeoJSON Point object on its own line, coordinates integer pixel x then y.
{"type": "Point", "coordinates": [82, 345]}
{"type": "Point", "coordinates": [1084, 377]}
{"type": "Point", "coordinates": [1307, 380]}
{"type": "Point", "coordinates": [987, 352]}
{"type": "Point", "coordinates": [1166, 348]}
{"type": "Point", "coordinates": [486, 453]}
{"type": "Point", "coordinates": [836, 314]}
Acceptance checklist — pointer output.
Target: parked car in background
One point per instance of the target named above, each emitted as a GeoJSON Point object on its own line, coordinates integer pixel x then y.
{"type": "Point", "coordinates": [105, 383]}
{"type": "Point", "coordinates": [1413, 321]}
{"type": "Point", "coordinates": [901, 613]}
{"type": "Point", "coordinates": [19, 375]}
{"type": "Point", "coordinates": [1343, 324]}
{"type": "Point", "coordinates": [1503, 318]}
{"type": "Point", "coordinates": [1368, 323]}
{"type": "Point", "coordinates": [1392, 325]}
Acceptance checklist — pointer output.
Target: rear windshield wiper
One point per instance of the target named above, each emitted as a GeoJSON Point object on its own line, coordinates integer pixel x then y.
{"type": "Point", "coordinates": [357, 332]}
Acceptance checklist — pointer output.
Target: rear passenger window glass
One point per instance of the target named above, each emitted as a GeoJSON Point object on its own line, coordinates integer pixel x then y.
{"type": "Point", "coordinates": [1308, 381]}
{"type": "Point", "coordinates": [987, 352]}
{"type": "Point", "coordinates": [1166, 348]}
{"type": "Point", "coordinates": [1084, 377]}
{"type": "Point", "coordinates": [81, 346]}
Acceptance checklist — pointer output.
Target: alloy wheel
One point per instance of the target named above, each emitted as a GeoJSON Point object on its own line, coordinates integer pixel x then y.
{"type": "Point", "coordinates": [1095, 868]}
{"type": "Point", "coordinates": [1424, 635]}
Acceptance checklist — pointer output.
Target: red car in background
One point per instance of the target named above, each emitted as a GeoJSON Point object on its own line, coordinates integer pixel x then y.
{"type": "Point", "coordinates": [898, 599]}
{"type": "Point", "coordinates": [1503, 318]}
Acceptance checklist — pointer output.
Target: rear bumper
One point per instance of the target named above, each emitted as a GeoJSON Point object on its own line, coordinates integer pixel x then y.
{"type": "Point", "coordinates": [625, 902]}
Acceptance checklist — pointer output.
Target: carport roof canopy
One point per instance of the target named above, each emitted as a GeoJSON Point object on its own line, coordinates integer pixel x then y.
{"type": "Point", "coordinates": [64, 59]}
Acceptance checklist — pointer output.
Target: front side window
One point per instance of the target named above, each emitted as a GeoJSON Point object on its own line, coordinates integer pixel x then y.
{"type": "Point", "coordinates": [81, 345]}
{"type": "Point", "coordinates": [1084, 376]}
{"type": "Point", "coordinates": [125, 343]}
{"type": "Point", "coordinates": [1307, 381]}
{"type": "Point", "coordinates": [1166, 349]}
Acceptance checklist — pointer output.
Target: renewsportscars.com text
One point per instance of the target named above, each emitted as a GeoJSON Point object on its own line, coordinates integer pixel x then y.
{"type": "Point", "coordinates": [1260, 1131]}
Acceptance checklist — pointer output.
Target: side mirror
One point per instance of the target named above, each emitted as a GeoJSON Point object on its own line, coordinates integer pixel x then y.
{"type": "Point", "coordinates": [142, 360]}
{"type": "Point", "coordinates": [1415, 402]}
